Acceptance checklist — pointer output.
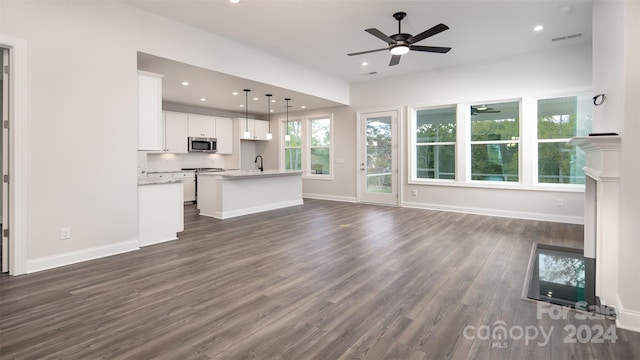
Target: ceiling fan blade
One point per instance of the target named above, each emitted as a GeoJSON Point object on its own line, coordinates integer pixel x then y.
{"type": "Point", "coordinates": [366, 52]}
{"type": "Point", "coordinates": [427, 33]}
{"type": "Point", "coordinates": [395, 60]}
{"type": "Point", "coordinates": [434, 49]}
{"type": "Point", "coordinates": [380, 35]}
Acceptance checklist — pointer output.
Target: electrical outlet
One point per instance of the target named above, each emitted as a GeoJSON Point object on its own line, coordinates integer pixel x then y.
{"type": "Point", "coordinates": [560, 202]}
{"type": "Point", "coordinates": [65, 233]}
{"type": "Point", "coordinates": [414, 192]}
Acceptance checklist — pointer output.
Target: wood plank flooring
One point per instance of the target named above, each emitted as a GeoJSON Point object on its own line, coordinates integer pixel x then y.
{"type": "Point", "coordinates": [325, 280]}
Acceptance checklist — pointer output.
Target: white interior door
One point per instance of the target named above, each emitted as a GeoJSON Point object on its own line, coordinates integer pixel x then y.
{"type": "Point", "coordinates": [5, 159]}
{"type": "Point", "coordinates": [378, 154]}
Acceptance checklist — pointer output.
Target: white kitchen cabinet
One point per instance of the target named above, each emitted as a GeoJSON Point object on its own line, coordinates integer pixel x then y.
{"type": "Point", "coordinates": [258, 129]}
{"type": "Point", "coordinates": [175, 133]}
{"type": "Point", "coordinates": [261, 128]}
{"type": "Point", "coordinates": [224, 134]}
{"type": "Point", "coordinates": [159, 176]}
{"type": "Point", "coordinates": [150, 131]}
{"type": "Point", "coordinates": [188, 179]}
{"type": "Point", "coordinates": [201, 126]}
{"type": "Point", "coordinates": [160, 212]}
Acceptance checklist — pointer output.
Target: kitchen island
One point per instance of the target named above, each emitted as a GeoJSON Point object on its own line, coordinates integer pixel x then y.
{"type": "Point", "coordinates": [228, 194]}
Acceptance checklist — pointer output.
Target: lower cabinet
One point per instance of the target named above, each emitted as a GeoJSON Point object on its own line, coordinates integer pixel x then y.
{"type": "Point", "coordinates": [160, 212]}
{"type": "Point", "coordinates": [188, 184]}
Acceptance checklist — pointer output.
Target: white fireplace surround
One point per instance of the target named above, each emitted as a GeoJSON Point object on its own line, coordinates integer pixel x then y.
{"type": "Point", "coordinates": [601, 220]}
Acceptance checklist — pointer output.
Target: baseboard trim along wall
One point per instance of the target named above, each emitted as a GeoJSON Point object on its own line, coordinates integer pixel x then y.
{"type": "Point", "coordinates": [252, 210]}
{"type": "Point", "coordinates": [349, 199]}
{"type": "Point", "coordinates": [627, 319]}
{"type": "Point", "coordinates": [499, 213]}
{"type": "Point", "coordinates": [50, 262]}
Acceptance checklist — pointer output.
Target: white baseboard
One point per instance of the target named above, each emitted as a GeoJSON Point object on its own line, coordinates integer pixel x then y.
{"type": "Point", "coordinates": [499, 213]}
{"type": "Point", "coordinates": [627, 319]}
{"type": "Point", "coordinates": [252, 210]}
{"type": "Point", "coordinates": [350, 199]}
{"type": "Point", "coordinates": [50, 262]}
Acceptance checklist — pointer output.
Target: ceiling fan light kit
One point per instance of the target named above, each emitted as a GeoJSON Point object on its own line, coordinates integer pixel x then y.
{"type": "Point", "coordinates": [401, 43]}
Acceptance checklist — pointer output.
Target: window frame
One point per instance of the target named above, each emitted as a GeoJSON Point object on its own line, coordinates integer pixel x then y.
{"type": "Point", "coordinates": [528, 143]}
{"type": "Point", "coordinates": [518, 141]}
{"type": "Point", "coordinates": [305, 145]}
{"type": "Point", "coordinates": [413, 144]}
{"type": "Point", "coordinates": [538, 141]}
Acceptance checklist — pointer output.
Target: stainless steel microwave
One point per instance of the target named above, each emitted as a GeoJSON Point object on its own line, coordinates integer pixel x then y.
{"type": "Point", "coordinates": [202, 144]}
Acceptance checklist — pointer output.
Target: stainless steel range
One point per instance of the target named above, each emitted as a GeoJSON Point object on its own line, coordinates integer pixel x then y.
{"type": "Point", "coordinates": [201, 170]}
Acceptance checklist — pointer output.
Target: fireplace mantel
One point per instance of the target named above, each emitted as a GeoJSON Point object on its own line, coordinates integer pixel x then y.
{"type": "Point", "coordinates": [601, 222]}
{"type": "Point", "coordinates": [603, 156]}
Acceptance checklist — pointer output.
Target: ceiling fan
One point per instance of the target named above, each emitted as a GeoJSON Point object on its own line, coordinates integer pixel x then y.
{"type": "Point", "coordinates": [401, 43]}
{"type": "Point", "coordinates": [483, 109]}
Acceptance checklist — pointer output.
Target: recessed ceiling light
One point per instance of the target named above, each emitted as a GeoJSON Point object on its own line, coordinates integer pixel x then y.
{"type": "Point", "coordinates": [203, 99]}
{"type": "Point", "coordinates": [273, 100]}
{"type": "Point", "coordinates": [234, 1]}
{"type": "Point", "coordinates": [271, 110]}
{"type": "Point", "coordinates": [234, 93]}
{"type": "Point", "coordinates": [185, 83]}
{"type": "Point", "coordinates": [364, 63]}
{"type": "Point", "coordinates": [255, 98]}
{"type": "Point", "coordinates": [303, 107]}
{"type": "Point", "coordinates": [538, 28]}
{"type": "Point", "coordinates": [241, 105]}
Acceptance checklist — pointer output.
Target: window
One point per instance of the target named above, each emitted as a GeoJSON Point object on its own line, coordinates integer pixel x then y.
{"type": "Point", "coordinates": [495, 140]}
{"type": "Point", "coordinates": [435, 141]}
{"type": "Point", "coordinates": [320, 149]}
{"type": "Point", "coordinates": [309, 148]}
{"type": "Point", "coordinates": [293, 147]}
{"type": "Point", "coordinates": [560, 119]}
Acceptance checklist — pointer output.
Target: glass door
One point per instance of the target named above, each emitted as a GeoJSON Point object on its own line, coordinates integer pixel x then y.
{"type": "Point", "coordinates": [378, 158]}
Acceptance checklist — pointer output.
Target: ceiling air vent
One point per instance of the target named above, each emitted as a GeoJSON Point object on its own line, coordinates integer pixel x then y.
{"type": "Point", "coordinates": [567, 37]}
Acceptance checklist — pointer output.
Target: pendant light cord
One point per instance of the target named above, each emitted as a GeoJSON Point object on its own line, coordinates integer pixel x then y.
{"type": "Point", "coordinates": [287, 100]}
{"type": "Point", "coordinates": [269, 110]}
{"type": "Point", "coordinates": [246, 109]}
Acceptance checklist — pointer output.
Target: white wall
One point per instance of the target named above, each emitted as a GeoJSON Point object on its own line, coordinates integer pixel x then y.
{"type": "Point", "coordinates": [616, 57]}
{"type": "Point", "coordinates": [81, 106]}
{"type": "Point", "coordinates": [545, 73]}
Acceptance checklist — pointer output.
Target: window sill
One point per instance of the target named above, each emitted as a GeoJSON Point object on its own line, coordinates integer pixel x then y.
{"type": "Point", "coordinates": [317, 177]}
{"type": "Point", "coordinates": [571, 188]}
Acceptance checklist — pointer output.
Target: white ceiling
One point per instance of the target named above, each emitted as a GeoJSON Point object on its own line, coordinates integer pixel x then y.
{"type": "Point", "coordinates": [319, 33]}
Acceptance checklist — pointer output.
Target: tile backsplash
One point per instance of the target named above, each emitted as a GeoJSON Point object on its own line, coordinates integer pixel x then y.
{"type": "Point", "coordinates": [174, 162]}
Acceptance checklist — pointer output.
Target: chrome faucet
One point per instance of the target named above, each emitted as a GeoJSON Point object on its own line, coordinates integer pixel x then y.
{"type": "Point", "coordinates": [261, 167]}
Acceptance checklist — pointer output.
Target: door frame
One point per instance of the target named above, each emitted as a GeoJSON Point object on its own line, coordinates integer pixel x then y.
{"type": "Point", "coordinates": [18, 175]}
{"type": "Point", "coordinates": [398, 177]}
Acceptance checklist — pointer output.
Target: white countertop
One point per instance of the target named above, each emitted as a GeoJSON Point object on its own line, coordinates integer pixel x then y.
{"type": "Point", "coordinates": [231, 174]}
{"type": "Point", "coordinates": [142, 182]}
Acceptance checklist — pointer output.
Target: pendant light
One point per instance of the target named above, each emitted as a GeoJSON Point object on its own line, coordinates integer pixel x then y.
{"type": "Point", "coordinates": [246, 134]}
{"type": "Point", "coordinates": [269, 135]}
{"type": "Point", "coordinates": [287, 137]}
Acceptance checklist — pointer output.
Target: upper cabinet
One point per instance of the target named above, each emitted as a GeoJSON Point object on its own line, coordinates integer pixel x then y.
{"type": "Point", "coordinates": [150, 129]}
{"type": "Point", "coordinates": [258, 129]}
{"type": "Point", "coordinates": [175, 132]}
{"type": "Point", "coordinates": [174, 138]}
{"type": "Point", "coordinates": [224, 134]}
{"type": "Point", "coordinates": [202, 126]}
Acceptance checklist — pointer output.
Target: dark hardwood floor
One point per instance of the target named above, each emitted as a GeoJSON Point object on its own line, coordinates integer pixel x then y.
{"type": "Point", "coordinates": [325, 280]}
